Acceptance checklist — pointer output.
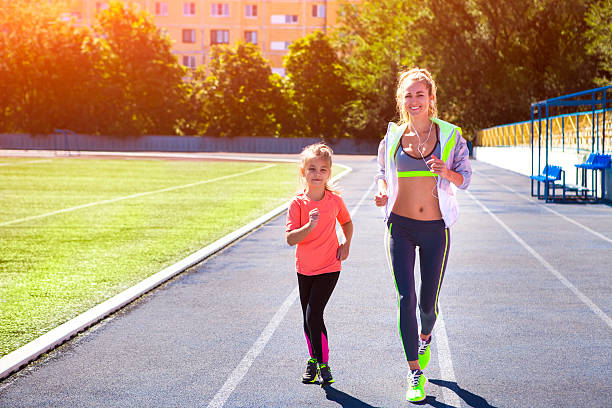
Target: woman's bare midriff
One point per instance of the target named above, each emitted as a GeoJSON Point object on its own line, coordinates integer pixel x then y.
{"type": "Point", "coordinates": [417, 199]}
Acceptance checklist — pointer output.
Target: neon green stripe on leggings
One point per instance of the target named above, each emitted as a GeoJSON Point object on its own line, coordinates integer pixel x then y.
{"type": "Point", "coordinates": [388, 246]}
{"type": "Point", "coordinates": [441, 271]}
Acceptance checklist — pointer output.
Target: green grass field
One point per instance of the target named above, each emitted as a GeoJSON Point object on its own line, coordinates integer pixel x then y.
{"type": "Point", "coordinates": [56, 261]}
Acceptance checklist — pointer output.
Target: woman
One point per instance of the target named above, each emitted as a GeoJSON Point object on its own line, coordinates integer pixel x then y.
{"type": "Point", "coordinates": [420, 161]}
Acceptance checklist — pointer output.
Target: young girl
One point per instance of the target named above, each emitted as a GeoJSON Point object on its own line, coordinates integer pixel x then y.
{"type": "Point", "coordinates": [420, 162]}
{"type": "Point", "coordinates": [311, 224]}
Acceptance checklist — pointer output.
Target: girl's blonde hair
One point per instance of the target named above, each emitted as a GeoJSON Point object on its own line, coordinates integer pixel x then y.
{"type": "Point", "coordinates": [412, 75]}
{"type": "Point", "coordinates": [317, 150]}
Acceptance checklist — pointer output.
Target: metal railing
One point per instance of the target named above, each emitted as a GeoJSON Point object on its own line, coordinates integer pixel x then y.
{"type": "Point", "coordinates": [567, 131]}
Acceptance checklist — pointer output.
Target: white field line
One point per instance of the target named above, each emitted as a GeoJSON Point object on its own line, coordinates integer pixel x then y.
{"type": "Point", "coordinates": [597, 234]}
{"type": "Point", "coordinates": [192, 156]}
{"type": "Point", "coordinates": [25, 162]}
{"type": "Point", "coordinates": [22, 356]}
{"type": "Point", "coordinates": [606, 319]}
{"type": "Point", "coordinates": [447, 372]}
{"type": "Point", "coordinates": [239, 372]}
{"type": "Point", "coordinates": [113, 200]}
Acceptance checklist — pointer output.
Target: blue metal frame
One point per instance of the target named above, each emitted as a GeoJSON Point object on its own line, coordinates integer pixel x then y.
{"type": "Point", "coordinates": [543, 107]}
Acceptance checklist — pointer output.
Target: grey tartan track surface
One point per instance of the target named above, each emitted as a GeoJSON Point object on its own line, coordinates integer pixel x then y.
{"type": "Point", "coordinates": [524, 311]}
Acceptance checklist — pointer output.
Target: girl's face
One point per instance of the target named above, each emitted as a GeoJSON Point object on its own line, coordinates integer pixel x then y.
{"type": "Point", "coordinates": [417, 99]}
{"type": "Point", "coordinates": [316, 171]}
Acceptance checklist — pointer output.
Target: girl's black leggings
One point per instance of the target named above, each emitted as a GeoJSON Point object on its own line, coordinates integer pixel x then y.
{"type": "Point", "coordinates": [315, 291]}
{"type": "Point", "coordinates": [433, 240]}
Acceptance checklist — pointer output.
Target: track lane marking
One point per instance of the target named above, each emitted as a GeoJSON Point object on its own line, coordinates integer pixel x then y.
{"type": "Point", "coordinates": [113, 200]}
{"type": "Point", "coordinates": [239, 372]}
{"type": "Point", "coordinates": [528, 199]}
{"type": "Point", "coordinates": [600, 313]}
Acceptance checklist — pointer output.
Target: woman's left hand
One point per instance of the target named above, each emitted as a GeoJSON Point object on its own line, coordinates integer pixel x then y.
{"type": "Point", "coordinates": [438, 166]}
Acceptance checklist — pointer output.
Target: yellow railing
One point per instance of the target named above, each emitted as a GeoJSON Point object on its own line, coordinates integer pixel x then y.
{"type": "Point", "coordinates": [565, 131]}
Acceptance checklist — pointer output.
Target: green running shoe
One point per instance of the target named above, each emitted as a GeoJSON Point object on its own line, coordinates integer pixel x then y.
{"type": "Point", "coordinates": [416, 386]}
{"type": "Point", "coordinates": [424, 352]}
{"type": "Point", "coordinates": [310, 374]}
{"type": "Point", "coordinates": [325, 374]}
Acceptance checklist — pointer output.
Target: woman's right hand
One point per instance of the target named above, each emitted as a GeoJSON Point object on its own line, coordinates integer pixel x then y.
{"type": "Point", "coordinates": [381, 199]}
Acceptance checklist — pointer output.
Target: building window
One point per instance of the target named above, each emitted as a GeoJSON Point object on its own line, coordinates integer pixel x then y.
{"type": "Point", "coordinates": [250, 10]}
{"type": "Point", "coordinates": [189, 61]}
{"type": "Point", "coordinates": [219, 36]}
{"type": "Point", "coordinates": [280, 45]}
{"type": "Point", "coordinates": [250, 37]}
{"type": "Point", "coordinates": [284, 19]}
{"type": "Point", "coordinates": [161, 9]}
{"type": "Point", "coordinates": [279, 71]}
{"type": "Point", "coordinates": [189, 9]}
{"type": "Point", "coordinates": [318, 10]}
{"type": "Point", "coordinates": [189, 36]}
{"type": "Point", "coordinates": [220, 10]}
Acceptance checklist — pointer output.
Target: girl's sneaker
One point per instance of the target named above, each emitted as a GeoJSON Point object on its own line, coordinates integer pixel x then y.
{"type": "Point", "coordinates": [424, 352]}
{"type": "Point", "coordinates": [416, 386]}
{"type": "Point", "coordinates": [325, 374]}
{"type": "Point", "coordinates": [310, 374]}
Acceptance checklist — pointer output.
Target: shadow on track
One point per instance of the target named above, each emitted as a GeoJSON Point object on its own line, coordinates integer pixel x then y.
{"type": "Point", "coordinates": [344, 399]}
{"type": "Point", "coordinates": [469, 398]}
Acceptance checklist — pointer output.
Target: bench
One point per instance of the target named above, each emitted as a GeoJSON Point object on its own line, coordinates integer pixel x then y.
{"type": "Point", "coordinates": [549, 175]}
{"type": "Point", "coordinates": [594, 162]}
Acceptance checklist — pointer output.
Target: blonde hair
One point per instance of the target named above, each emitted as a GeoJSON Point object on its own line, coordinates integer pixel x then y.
{"type": "Point", "coordinates": [320, 151]}
{"type": "Point", "coordinates": [415, 75]}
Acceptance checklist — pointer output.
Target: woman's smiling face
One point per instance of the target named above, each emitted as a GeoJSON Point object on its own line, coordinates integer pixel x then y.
{"type": "Point", "coordinates": [417, 98]}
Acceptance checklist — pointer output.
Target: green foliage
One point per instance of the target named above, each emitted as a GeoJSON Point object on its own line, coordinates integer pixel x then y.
{"type": "Point", "coordinates": [599, 20]}
{"type": "Point", "coordinates": [490, 59]}
{"type": "Point", "coordinates": [496, 58]}
{"type": "Point", "coordinates": [119, 78]}
{"type": "Point", "coordinates": [239, 97]}
{"type": "Point", "coordinates": [376, 39]}
{"type": "Point", "coordinates": [318, 87]}
{"type": "Point", "coordinates": [142, 79]}
{"type": "Point", "coordinates": [45, 71]}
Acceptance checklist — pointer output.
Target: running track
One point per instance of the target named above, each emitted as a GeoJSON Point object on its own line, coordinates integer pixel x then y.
{"type": "Point", "coordinates": [526, 306]}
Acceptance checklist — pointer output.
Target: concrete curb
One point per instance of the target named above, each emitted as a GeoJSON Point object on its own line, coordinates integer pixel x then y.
{"type": "Point", "coordinates": [24, 355]}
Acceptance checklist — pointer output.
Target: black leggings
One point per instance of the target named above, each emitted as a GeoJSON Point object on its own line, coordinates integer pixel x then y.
{"type": "Point", "coordinates": [314, 293]}
{"type": "Point", "coordinates": [433, 240]}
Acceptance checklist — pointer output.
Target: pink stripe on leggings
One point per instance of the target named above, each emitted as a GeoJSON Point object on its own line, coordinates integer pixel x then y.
{"type": "Point", "coordinates": [309, 346]}
{"type": "Point", "coordinates": [324, 348]}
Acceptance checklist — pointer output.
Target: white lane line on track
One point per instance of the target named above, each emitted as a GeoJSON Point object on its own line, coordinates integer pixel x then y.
{"type": "Point", "coordinates": [239, 372]}
{"type": "Point", "coordinates": [548, 266]}
{"type": "Point", "coordinates": [597, 234]}
{"type": "Point", "coordinates": [447, 372]}
{"type": "Point", "coordinates": [113, 200]}
{"type": "Point", "coordinates": [25, 162]}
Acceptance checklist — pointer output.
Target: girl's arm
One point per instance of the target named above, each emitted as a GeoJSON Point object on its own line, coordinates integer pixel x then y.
{"type": "Point", "coordinates": [297, 235]}
{"type": "Point", "coordinates": [344, 248]}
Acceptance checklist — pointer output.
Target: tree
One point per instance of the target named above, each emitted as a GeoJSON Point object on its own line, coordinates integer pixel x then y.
{"type": "Point", "coordinates": [377, 39]}
{"type": "Point", "coordinates": [46, 72]}
{"type": "Point", "coordinates": [495, 58]}
{"type": "Point", "coordinates": [239, 97]}
{"type": "Point", "coordinates": [142, 88]}
{"type": "Point", "coordinates": [319, 87]}
{"type": "Point", "coordinates": [599, 35]}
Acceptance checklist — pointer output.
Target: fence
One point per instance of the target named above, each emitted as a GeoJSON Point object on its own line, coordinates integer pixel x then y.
{"type": "Point", "coordinates": [69, 141]}
{"type": "Point", "coordinates": [568, 131]}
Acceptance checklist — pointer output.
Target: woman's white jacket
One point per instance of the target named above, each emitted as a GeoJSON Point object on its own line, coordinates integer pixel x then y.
{"type": "Point", "coordinates": [454, 153]}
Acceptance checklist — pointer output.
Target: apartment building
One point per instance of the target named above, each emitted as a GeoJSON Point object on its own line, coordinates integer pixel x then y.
{"type": "Point", "coordinates": [196, 25]}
